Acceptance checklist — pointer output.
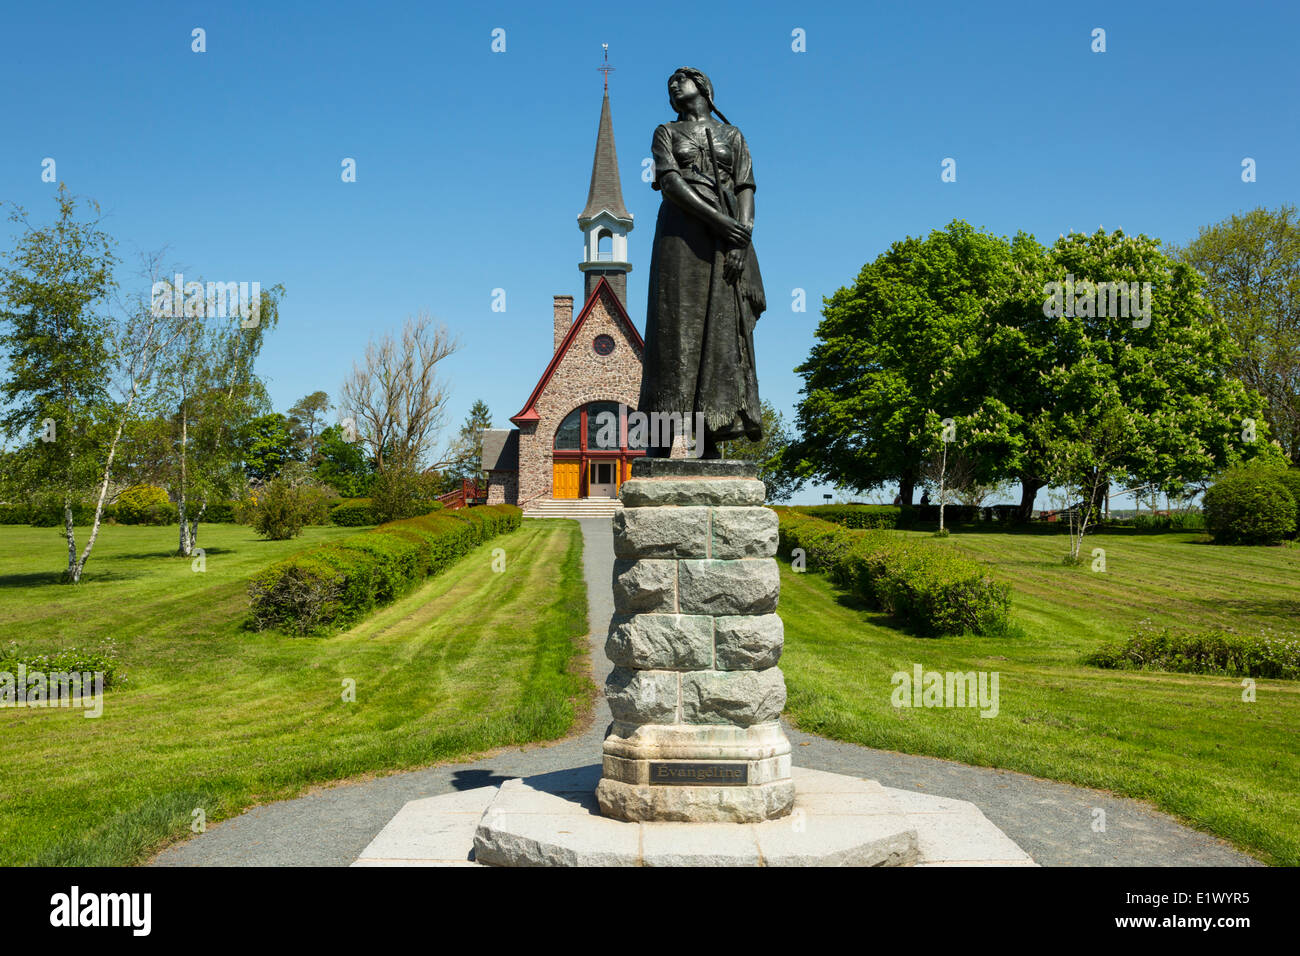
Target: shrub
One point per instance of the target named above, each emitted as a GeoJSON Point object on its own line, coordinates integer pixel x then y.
{"type": "Point", "coordinates": [1290, 478]}
{"type": "Point", "coordinates": [399, 492]}
{"type": "Point", "coordinates": [47, 512]}
{"type": "Point", "coordinates": [929, 514]}
{"type": "Point", "coordinates": [144, 504]}
{"type": "Point", "coordinates": [1180, 521]}
{"type": "Point", "coordinates": [220, 512]}
{"type": "Point", "coordinates": [823, 543]}
{"type": "Point", "coordinates": [1203, 652]}
{"type": "Point", "coordinates": [855, 516]}
{"type": "Point", "coordinates": [337, 583]}
{"type": "Point", "coordinates": [281, 509]}
{"type": "Point", "coordinates": [907, 516]}
{"type": "Point", "coordinates": [1007, 514]}
{"type": "Point", "coordinates": [1250, 506]}
{"type": "Point", "coordinates": [929, 586]}
{"type": "Point", "coordinates": [103, 659]}
{"type": "Point", "coordinates": [15, 514]}
{"type": "Point", "coordinates": [350, 514]}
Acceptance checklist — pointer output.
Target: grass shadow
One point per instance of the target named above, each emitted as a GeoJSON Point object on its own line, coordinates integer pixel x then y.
{"type": "Point", "coordinates": [1271, 607]}
{"type": "Point", "coordinates": [156, 555]}
{"type": "Point", "coordinates": [90, 576]}
{"type": "Point", "coordinates": [31, 579]}
{"type": "Point", "coordinates": [871, 615]}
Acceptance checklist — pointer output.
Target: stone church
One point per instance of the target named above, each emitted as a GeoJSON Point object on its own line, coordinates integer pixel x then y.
{"type": "Point", "coordinates": [570, 441]}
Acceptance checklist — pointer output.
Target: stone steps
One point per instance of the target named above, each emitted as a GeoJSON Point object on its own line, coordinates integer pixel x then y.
{"type": "Point", "coordinates": [573, 508]}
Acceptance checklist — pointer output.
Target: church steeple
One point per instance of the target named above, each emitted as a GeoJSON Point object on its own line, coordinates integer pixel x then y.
{"type": "Point", "coordinates": [605, 221]}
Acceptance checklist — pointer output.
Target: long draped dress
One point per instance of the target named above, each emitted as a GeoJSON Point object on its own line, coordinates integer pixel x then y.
{"type": "Point", "coordinates": [699, 343]}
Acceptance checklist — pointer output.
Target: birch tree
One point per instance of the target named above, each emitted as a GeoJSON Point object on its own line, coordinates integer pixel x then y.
{"type": "Point", "coordinates": [212, 393]}
{"type": "Point", "coordinates": [77, 370]}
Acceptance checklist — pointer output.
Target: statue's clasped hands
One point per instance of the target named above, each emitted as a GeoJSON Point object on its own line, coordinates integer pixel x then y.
{"type": "Point", "coordinates": [735, 232]}
{"type": "Point", "coordinates": [737, 236]}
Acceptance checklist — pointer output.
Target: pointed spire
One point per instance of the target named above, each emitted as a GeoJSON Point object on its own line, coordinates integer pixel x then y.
{"type": "Point", "coordinates": [606, 190]}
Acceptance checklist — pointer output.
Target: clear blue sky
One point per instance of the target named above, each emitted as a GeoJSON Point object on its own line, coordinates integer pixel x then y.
{"type": "Point", "coordinates": [472, 166]}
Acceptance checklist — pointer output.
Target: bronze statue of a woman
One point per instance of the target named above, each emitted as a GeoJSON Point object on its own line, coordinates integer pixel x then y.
{"type": "Point", "coordinates": [705, 293]}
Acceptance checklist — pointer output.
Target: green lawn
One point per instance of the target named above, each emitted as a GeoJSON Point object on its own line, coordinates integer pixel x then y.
{"type": "Point", "coordinates": [220, 718]}
{"type": "Point", "coordinates": [1187, 743]}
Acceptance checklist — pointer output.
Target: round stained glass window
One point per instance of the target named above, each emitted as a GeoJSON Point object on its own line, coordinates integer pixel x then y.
{"type": "Point", "coordinates": [603, 345]}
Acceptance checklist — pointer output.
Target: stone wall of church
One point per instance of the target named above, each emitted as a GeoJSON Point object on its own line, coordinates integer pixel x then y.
{"type": "Point", "coordinates": [581, 377]}
{"type": "Point", "coordinates": [503, 488]}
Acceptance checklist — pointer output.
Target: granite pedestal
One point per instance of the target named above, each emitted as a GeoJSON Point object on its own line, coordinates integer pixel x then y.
{"type": "Point", "coordinates": [696, 694]}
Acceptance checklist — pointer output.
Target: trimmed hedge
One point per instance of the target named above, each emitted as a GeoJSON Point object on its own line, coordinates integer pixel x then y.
{"type": "Point", "coordinates": [855, 516]}
{"type": "Point", "coordinates": [351, 514]}
{"type": "Point", "coordinates": [15, 514]}
{"type": "Point", "coordinates": [335, 584]}
{"type": "Point", "coordinates": [49, 514]}
{"type": "Point", "coordinates": [931, 588]}
{"type": "Point", "coordinates": [1203, 652]}
{"type": "Point", "coordinates": [908, 516]}
{"type": "Point", "coordinates": [1251, 506]}
{"type": "Point", "coordinates": [221, 512]}
{"type": "Point", "coordinates": [1179, 521]}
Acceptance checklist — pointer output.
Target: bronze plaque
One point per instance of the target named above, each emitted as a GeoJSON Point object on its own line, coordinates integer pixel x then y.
{"type": "Point", "coordinates": [699, 774]}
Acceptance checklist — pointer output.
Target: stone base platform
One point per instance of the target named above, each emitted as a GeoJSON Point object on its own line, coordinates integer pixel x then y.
{"type": "Point", "coordinates": [553, 820]}
{"type": "Point", "coordinates": [632, 753]}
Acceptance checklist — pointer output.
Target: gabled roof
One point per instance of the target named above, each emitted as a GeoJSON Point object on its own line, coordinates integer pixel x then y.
{"type": "Point", "coordinates": [529, 412]}
{"type": "Point", "coordinates": [606, 191]}
{"type": "Point", "coordinates": [501, 449]}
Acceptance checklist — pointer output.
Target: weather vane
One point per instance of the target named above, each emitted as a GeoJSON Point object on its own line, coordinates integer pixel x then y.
{"type": "Point", "coordinates": [605, 67]}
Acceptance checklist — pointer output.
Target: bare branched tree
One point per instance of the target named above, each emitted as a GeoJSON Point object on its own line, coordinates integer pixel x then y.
{"type": "Point", "coordinates": [394, 395]}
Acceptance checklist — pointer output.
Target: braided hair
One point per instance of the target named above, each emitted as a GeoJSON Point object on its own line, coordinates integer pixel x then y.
{"type": "Point", "coordinates": [702, 84]}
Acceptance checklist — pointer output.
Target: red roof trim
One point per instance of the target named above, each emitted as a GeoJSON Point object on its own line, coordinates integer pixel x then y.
{"type": "Point", "coordinates": [529, 412]}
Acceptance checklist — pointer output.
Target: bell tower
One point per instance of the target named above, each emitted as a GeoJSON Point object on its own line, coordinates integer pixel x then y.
{"type": "Point", "coordinates": [605, 221]}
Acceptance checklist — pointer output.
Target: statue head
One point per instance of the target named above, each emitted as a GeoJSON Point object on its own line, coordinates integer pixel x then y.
{"type": "Point", "coordinates": [686, 82]}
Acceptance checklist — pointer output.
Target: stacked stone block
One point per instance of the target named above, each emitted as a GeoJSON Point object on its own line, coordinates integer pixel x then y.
{"type": "Point", "coordinates": [695, 641]}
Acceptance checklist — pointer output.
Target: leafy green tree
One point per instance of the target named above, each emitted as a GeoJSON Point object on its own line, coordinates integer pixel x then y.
{"type": "Point", "coordinates": [969, 328]}
{"type": "Point", "coordinates": [79, 372]}
{"type": "Point", "coordinates": [1162, 371]}
{"type": "Point", "coordinates": [307, 418]}
{"type": "Point", "coordinates": [774, 470]}
{"type": "Point", "coordinates": [1251, 264]}
{"type": "Point", "coordinates": [466, 455]}
{"type": "Point", "coordinates": [210, 394]}
{"type": "Point", "coordinates": [269, 445]}
{"type": "Point", "coordinates": [58, 337]}
{"type": "Point", "coordinates": [342, 464]}
{"type": "Point", "coordinates": [897, 353]}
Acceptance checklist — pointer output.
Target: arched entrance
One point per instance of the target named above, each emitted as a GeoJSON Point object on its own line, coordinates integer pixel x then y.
{"type": "Point", "coordinates": [590, 453]}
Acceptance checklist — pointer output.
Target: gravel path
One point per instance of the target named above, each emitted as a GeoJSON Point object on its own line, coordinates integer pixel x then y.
{"type": "Point", "coordinates": [1052, 822]}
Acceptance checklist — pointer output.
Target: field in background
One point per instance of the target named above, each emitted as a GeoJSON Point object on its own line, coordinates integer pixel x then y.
{"type": "Point", "coordinates": [219, 718]}
{"type": "Point", "coordinates": [1187, 743]}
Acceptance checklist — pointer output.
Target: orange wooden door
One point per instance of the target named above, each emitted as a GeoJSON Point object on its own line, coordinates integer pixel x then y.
{"type": "Point", "coordinates": [565, 479]}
